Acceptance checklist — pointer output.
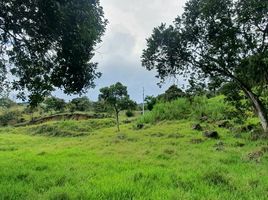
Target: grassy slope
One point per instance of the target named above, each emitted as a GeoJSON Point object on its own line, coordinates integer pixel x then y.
{"type": "Point", "coordinates": [158, 162]}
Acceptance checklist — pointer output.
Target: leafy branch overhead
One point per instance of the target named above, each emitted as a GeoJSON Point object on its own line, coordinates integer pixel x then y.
{"type": "Point", "coordinates": [48, 44]}
{"type": "Point", "coordinates": [214, 40]}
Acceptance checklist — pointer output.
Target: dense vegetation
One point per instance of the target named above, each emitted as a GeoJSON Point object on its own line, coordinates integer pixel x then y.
{"type": "Point", "coordinates": [164, 160]}
{"type": "Point", "coordinates": [215, 109]}
{"type": "Point", "coordinates": [190, 145]}
{"type": "Point", "coordinates": [49, 44]}
{"type": "Point", "coordinates": [218, 44]}
{"type": "Point", "coordinates": [205, 141]}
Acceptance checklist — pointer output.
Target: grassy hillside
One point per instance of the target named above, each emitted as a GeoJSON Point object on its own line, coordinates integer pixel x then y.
{"type": "Point", "coordinates": [167, 160]}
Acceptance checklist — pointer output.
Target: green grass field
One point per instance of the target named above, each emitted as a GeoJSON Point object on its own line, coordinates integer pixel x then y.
{"type": "Point", "coordinates": [90, 160]}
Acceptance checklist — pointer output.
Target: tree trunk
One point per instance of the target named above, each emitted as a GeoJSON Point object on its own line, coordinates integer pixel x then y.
{"type": "Point", "coordinates": [256, 102]}
{"type": "Point", "coordinates": [259, 108]}
{"type": "Point", "coordinates": [117, 121]}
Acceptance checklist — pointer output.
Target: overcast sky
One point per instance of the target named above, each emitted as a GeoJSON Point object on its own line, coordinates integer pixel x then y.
{"type": "Point", "coordinates": [130, 23]}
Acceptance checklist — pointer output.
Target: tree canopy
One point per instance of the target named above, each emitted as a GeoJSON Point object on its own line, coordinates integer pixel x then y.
{"type": "Point", "coordinates": [172, 93]}
{"type": "Point", "coordinates": [81, 104]}
{"type": "Point", "coordinates": [150, 102]}
{"type": "Point", "coordinates": [53, 103]}
{"type": "Point", "coordinates": [48, 44]}
{"type": "Point", "coordinates": [116, 96]}
{"type": "Point", "coordinates": [229, 42]}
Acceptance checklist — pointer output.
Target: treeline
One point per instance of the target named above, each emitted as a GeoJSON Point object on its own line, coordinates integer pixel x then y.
{"type": "Point", "coordinates": [53, 104]}
{"type": "Point", "coordinates": [12, 113]}
{"type": "Point", "coordinates": [232, 95]}
{"type": "Point", "coordinates": [112, 100]}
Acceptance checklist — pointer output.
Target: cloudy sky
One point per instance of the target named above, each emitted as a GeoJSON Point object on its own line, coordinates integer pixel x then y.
{"type": "Point", "coordinates": [130, 23]}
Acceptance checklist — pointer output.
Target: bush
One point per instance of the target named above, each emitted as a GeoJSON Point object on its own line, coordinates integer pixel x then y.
{"type": "Point", "coordinates": [178, 109]}
{"type": "Point", "coordinates": [215, 109]}
{"type": "Point", "coordinates": [53, 103]}
{"type": "Point", "coordinates": [129, 113]}
{"type": "Point", "coordinates": [6, 103]}
{"type": "Point", "coordinates": [81, 104]}
{"type": "Point", "coordinates": [9, 118]}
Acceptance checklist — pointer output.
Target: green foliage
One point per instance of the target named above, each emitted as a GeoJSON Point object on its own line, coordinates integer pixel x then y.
{"type": "Point", "coordinates": [214, 85]}
{"type": "Point", "coordinates": [264, 96]}
{"type": "Point", "coordinates": [117, 98]}
{"type": "Point", "coordinates": [29, 110]}
{"type": "Point", "coordinates": [53, 103]}
{"type": "Point", "coordinates": [9, 118]}
{"type": "Point", "coordinates": [50, 44]}
{"type": "Point", "coordinates": [100, 107]}
{"type": "Point", "coordinates": [222, 43]}
{"type": "Point", "coordinates": [3, 77]}
{"type": "Point", "coordinates": [71, 128]}
{"type": "Point", "coordinates": [178, 109]}
{"type": "Point", "coordinates": [159, 162]}
{"type": "Point", "coordinates": [235, 97]}
{"type": "Point", "coordinates": [215, 109]}
{"type": "Point", "coordinates": [130, 113]}
{"type": "Point", "coordinates": [6, 103]}
{"type": "Point", "coordinates": [80, 104]}
{"type": "Point", "coordinates": [150, 102]}
{"type": "Point", "coordinates": [253, 70]}
{"type": "Point", "coordinates": [172, 93]}
{"type": "Point", "coordinates": [195, 88]}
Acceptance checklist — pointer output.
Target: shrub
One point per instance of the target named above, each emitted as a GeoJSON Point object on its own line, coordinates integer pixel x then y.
{"type": "Point", "coordinates": [215, 109]}
{"type": "Point", "coordinates": [9, 118]}
{"type": "Point", "coordinates": [81, 104]}
{"type": "Point", "coordinates": [53, 103]}
{"type": "Point", "coordinates": [6, 103]}
{"type": "Point", "coordinates": [129, 113]}
{"type": "Point", "coordinates": [178, 109]}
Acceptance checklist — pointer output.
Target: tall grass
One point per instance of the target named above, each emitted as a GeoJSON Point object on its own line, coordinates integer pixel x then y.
{"type": "Point", "coordinates": [160, 162]}
{"type": "Point", "coordinates": [178, 109]}
{"type": "Point", "coordinates": [71, 128]}
{"type": "Point", "coordinates": [214, 108]}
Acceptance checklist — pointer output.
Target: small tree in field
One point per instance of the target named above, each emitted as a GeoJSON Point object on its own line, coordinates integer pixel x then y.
{"type": "Point", "coordinates": [116, 97]}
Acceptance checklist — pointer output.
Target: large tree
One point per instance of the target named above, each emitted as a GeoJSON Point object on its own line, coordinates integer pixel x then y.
{"type": "Point", "coordinates": [48, 44]}
{"type": "Point", "coordinates": [117, 98]}
{"type": "Point", "coordinates": [227, 39]}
